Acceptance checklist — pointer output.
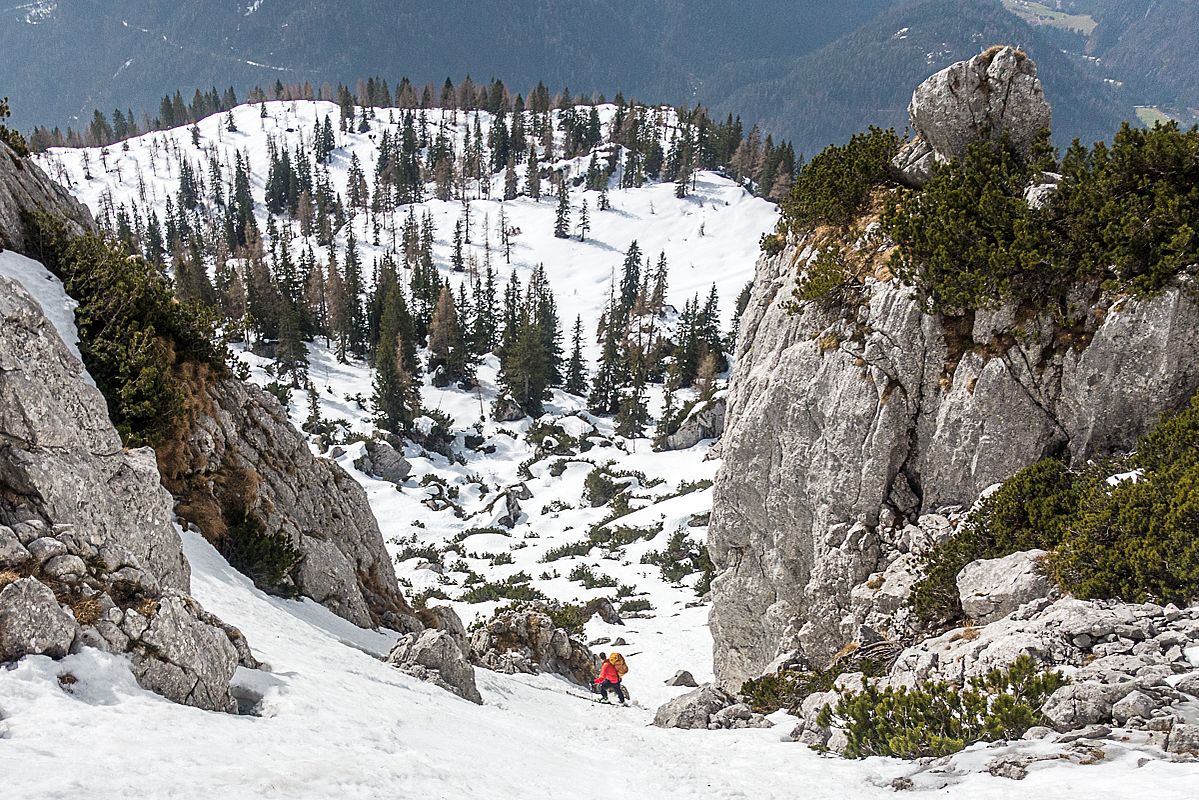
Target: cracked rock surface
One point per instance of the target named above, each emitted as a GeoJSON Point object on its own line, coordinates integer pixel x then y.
{"type": "Point", "coordinates": [848, 426]}
{"type": "Point", "coordinates": [89, 553]}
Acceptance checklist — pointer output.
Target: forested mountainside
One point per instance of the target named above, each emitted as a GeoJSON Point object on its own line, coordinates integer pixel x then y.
{"type": "Point", "coordinates": [814, 72]}
{"type": "Point", "coordinates": [1144, 43]}
{"type": "Point", "coordinates": [128, 53]}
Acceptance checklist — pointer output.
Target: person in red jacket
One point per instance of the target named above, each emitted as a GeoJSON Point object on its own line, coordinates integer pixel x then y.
{"type": "Point", "coordinates": [609, 678]}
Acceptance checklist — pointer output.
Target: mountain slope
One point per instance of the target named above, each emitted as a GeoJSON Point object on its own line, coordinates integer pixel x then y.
{"type": "Point", "coordinates": [129, 53]}
{"type": "Point", "coordinates": [866, 77]}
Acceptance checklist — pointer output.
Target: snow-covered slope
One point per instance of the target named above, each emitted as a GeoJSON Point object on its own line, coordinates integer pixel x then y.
{"type": "Point", "coordinates": [335, 721]}
{"type": "Point", "coordinates": [708, 238]}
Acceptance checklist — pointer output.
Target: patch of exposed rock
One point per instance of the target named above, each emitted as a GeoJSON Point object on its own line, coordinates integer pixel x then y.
{"type": "Point", "coordinates": [708, 707]}
{"type": "Point", "coordinates": [26, 189]}
{"type": "Point", "coordinates": [438, 657]}
{"type": "Point", "coordinates": [240, 457]}
{"type": "Point", "coordinates": [995, 95]}
{"type": "Point", "coordinates": [704, 421]}
{"type": "Point", "coordinates": [527, 641]}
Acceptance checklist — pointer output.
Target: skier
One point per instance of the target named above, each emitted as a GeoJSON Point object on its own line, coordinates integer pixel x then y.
{"type": "Point", "coordinates": [613, 667]}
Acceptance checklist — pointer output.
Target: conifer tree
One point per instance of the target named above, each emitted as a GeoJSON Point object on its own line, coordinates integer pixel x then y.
{"type": "Point", "coordinates": [562, 216]}
{"type": "Point", "coordinates": [447, 343]}
{"type": "Point", "coordinates": [510, 189]}
{"type": "Point", "coordinates": [584, 221]}
{"type": "Point", "coordinates": [533, 178]}
{"type": "Point", "coordinates": [576, 368]}
{"type": "Point", "coordinates": [396, 390]}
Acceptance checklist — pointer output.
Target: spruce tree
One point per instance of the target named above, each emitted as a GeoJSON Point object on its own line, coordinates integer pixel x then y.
{"type": "Point", "coordinates": [533, 176]}
{"type": "Point", "coordinates": [576, 368]}
{"type": "Point", "coordinates": [396, 390]}
{"type": "Point", "coordinates": [562, 216]}
{"type": "Point", "coordinates": [584, 222]}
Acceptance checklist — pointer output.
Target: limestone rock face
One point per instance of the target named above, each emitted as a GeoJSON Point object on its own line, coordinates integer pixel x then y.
{"type": "Point", "coordinates": [24, 187]}
{"type": "Point", "coordinates": [241, 455]}
{"type": "Point", "coordinates": [528, 642]}
{"type": "Point", "coordinates": [438, 657]}
{"type": "Point", "coordinates": [90, 527]}
{"type": "Point", "coordinates": [846, 426]}
{"type": "Point", "coordinates": [995, 587]}
{"type": "Point", "coordinates": [994, 95]}
{"type": "Point", "coordinates": [61, 456]}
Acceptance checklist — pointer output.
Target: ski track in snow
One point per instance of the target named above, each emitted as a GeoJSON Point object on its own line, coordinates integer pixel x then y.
{"type": "Point", "coordinates": [336, 721]}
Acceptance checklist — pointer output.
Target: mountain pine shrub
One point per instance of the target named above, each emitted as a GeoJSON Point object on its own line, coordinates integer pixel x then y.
{"type": "Point", "coordinates": [1125, 216]}
{"type": "Point", "coordinates": [938, 719]}
{"type": "Point", "coordinates": [1135, 539]}
{"type": "Point", "coordinates": [834, 187]}
{"type": "Point", "coordinates": [133, 332]}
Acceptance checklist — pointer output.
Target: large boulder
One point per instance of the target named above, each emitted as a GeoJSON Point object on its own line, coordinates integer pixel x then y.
{"type": "Point", "coordinates": [437, 656]}
{"type": "Point", "coordinates": [32, 622]}
{"type": "Point", "coordinates": [995, 587]}
{"type": "Point", "coordinates": [384, 462]}
{"type": "Point", "coordinates": [527, 641]}
{"type": "Point", "coordinates": [180, 656]}
{"type": "Point", "coordinates": [995, 95]}
{"type": "Point", "coordinates": [694, 709]}
{"type": "Point", "coordinates": [704, 421]}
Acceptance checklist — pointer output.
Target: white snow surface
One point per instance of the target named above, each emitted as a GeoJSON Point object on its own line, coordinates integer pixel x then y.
{"type": "Point", "coordinates": [337, 722]}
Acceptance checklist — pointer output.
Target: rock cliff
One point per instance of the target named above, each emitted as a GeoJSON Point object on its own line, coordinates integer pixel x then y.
{"type": "Point", "coordinates": [239, 456]}
{"type": "Point", "coordinates": [855, 426]}
{"type": "Point", "coordinates": [25, 188]}
{"type": "Point", "coordinates": [89, 555]}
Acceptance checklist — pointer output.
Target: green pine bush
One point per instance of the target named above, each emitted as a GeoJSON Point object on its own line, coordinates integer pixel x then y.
{"type": "Point", "coordinates": [1137, 540]}
{"type": "Point", "coordinates": [938, 719]}
{"type": "Point", "coordinates": [835, 186]}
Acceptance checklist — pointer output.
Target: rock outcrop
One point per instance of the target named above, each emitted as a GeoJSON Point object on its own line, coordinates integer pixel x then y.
{"type": "Point", "coordinates": [707, 708]}
{"type": "Point", "coordinates": [704, 421]}
{"type": "Point", "coordinates": [89, 555]}
{"type": "Point", "coordinates": [995, 587]}
{"type": "Point", "coordinates": [25, 189]}
{"type": "Point", "coordinates": [527, 641]}
{"type": "Point", "coordinates": [851, 424]}
{"type": "Point", "coordinates": [994, 95]}
{"type": "Point", "coordinates": [240, 458]}
{"type": "Point", "coordinates": [439, 657]}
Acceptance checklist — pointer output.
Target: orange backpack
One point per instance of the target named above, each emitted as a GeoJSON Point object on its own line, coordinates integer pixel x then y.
{"type": "Point", "coordinates": [617, 661]}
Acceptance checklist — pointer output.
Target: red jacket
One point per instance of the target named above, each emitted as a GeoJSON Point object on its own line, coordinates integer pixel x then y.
{"type": "Point", "coordinates": [608, 673]}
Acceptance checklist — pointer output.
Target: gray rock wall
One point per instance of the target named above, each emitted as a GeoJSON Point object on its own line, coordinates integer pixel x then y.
{"type": "Point", "coordinates": [241, 452]}
{"type": "Point", "coordinates": [845, 421]}
{"type": "Point", "coordinates": [89, 554]}
{"type": "Point", "coordinates": [24, 187]}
